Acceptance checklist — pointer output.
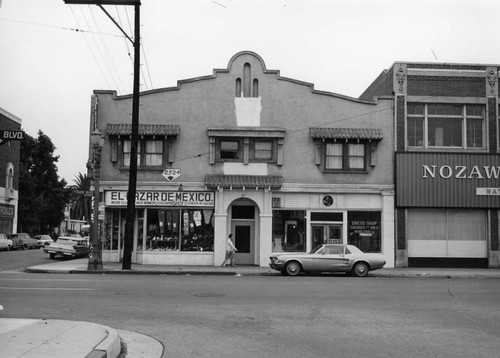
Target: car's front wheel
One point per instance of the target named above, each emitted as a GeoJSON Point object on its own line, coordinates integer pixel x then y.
{"type": "Point", "coordinates": [292, 268]}
{"type": "Point", "coordinates": [361, 269]}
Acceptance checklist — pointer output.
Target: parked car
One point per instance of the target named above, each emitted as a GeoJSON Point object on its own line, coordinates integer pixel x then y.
{"type": "Point", "coordinates": [22, 241]}
{"type": "Point", "coordinates": [68, 246]}
{"type": "Point", "coordinates": [5, 244]}
{"type": "Point", "coordinates": [328, 258]}
{"type": "Point", "coordinates": [43, 240]}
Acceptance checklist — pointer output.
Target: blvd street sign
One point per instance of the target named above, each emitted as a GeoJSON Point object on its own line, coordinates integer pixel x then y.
{"type": "Point", "coordinates": [8, 135]}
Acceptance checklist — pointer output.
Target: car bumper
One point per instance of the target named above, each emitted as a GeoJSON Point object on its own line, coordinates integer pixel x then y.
{"type": "Point", "coordinates": [60, 252]}
{"type": "Point", "coordinates": [277, 267]}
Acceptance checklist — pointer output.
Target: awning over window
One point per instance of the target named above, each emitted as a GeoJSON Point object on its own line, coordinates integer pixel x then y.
{"type": "Point", "coordinates": [347, 133]}
{"type": "Point", "coordinates": [240, 181]}
{"type": "Point", "coordinates": [144, 129]}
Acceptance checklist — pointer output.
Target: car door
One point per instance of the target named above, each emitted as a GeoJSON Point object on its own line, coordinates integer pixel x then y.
{"type": "Point", "coordinates": [331, 259]}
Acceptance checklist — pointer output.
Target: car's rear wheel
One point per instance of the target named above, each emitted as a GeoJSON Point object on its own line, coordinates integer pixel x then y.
{"type": "Point", "coordinates": [52, 256]}
{"type": "Point", "coordinates": [292, 268]}
{"type": "Point", "coordinates": [361, 269]}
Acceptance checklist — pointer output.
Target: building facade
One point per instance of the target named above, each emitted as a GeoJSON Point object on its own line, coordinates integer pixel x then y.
{"type": "Point", "coordinates": [282, 166]}
{"type": "Point", "coordinates": [447, 163]}
{"type": "Point", "coordinates": [9, 173]}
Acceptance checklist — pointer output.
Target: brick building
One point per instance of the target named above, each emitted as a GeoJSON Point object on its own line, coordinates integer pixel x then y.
{"type": "Point", "coordinates": [282, 166]}
{"type": "Point", "coordinates": [447, 162]}
{"type": "Point", "coordinates": [9, 174]}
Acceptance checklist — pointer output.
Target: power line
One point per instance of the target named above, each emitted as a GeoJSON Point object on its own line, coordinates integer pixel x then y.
{"type": "Point", "coordinates": [307, 128]}
{"type": "Point", "coordinates": [91, 51]}
{"type": "Point", "coordinates": [108, 60]}
{"type": "Point", "coordinates": [57, 27]}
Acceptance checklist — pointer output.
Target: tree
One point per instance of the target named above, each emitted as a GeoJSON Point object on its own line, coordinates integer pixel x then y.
{"type": "Point", "coordinates": [42, 195]}
{"type": "Point", "coordinates": [80, 202]}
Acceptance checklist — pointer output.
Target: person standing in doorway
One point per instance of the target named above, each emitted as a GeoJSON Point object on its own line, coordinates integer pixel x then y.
{"type": "Point", "coordinates": [230, 250]}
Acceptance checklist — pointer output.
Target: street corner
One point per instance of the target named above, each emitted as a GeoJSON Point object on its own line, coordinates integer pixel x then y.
{"type": "Point", "coordinates": [136, 345]}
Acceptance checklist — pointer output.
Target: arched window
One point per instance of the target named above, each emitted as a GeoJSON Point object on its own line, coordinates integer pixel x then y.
{"type": "Point", "coordinates": [9, 180]}
{"type": "Point", "coordinates": [246, 80]}
{"type": "Point", "coordinates": [238, 87]}
{"type": "Point", "coordinates": [255, 88]}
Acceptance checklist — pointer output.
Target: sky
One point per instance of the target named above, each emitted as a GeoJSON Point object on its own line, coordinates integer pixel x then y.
{"type": "Point", "coordinates": [48, 69]}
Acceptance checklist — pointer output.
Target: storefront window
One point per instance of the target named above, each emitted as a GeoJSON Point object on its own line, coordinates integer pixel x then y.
{"type": "Point", "coordinates": [289, 232]}
{"type": "Point", "coordinates": [179, 230]}
{"type": "Point", "coordinates": [364, 230]}
{"type": "Point", "coordinates": [112, 228]}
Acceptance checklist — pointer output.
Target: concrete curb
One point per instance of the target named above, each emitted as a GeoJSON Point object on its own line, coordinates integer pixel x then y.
{"type": "Point", "coordinates": [137, 345]}
{"type": "Point", "coordinates": [111, 345]}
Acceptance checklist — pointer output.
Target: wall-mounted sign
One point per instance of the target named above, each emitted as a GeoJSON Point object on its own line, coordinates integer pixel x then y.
{"type": "Point", "coordinates": [8, 135]}
{"type": "Point", "coordinates": [488, 191]}
{"type": "Point", "coordinates": [162, 198]}
{"type": "Point", "coordinates": [327, 200]}
{"type": "Point", "coordinates": [454, 180]}
{"type": "Point", "coordinates": [171, 174]}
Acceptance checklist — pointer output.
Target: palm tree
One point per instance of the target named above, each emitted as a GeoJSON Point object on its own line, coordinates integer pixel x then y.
{"type": "Point", "coordinates": [80, 200]}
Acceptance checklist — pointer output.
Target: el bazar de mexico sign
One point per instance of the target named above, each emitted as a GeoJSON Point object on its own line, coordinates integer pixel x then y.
{"type": "Point", "coordinates": [448, 180]}
{"type": "Point", "coordinates": [161, 198]}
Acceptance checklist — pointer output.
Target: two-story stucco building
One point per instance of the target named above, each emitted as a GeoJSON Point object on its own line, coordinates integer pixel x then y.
{"type": "Point", "coordinates": [282, 166]}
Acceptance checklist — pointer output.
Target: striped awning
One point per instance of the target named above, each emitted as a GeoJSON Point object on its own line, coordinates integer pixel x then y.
{"type": "Point", "coordinates": [144, 129]}
{"type": "Point", "coordinates": [240, 181]}
{"type": "Point", "coordinates": [347, 133]}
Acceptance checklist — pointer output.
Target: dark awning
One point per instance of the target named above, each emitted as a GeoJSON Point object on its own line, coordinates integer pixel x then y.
{"type": "Point", "coordinates": [144, 129]}
{"type": "Point", "coordinates": [346, 133]}
{"type": "Point", "coordinates": [240, 181]}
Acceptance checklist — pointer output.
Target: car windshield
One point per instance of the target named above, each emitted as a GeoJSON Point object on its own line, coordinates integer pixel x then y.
{"type": "Point", "coordinates": [67, 241]}
{"type": "Point", "coordinates": [313, 251]}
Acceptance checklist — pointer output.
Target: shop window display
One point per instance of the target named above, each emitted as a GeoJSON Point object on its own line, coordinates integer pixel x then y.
{"type": "Point", "coordinates": [289, 232]}
{"type": "Point", "coordinates": [179, 230]}
{"type": "Point", "coordinates": [364, 230]}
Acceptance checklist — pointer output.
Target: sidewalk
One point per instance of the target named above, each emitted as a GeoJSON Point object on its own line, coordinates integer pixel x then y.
{"type": "Point", "coordinates": [80, 266]}
{"type": "Point", "coordinates": [50, 338]}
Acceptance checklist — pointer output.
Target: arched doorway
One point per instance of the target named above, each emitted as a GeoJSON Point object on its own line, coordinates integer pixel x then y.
{"type": "Point", "coordinates": [243, 215]}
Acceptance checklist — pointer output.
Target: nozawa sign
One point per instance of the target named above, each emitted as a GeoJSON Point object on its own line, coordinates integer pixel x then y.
{"type": "Point", "coordinates": [453, 180]}
{"type": "Point", "coordinates": [7, 135]}
{"type": "Point", "coordinates": [461, 172]}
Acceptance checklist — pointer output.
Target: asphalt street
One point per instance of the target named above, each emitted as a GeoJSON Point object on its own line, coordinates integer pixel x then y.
{"type": "Point", "coordinates": [274, 316]}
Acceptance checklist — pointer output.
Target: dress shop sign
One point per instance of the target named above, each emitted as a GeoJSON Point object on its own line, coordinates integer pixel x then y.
{"type": "Point", "coordinates": [448, 179]}
{"type": "Point", "coordinates": [162, 198]}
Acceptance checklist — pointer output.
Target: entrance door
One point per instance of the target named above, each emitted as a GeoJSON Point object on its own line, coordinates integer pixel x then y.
{"type": "Point", "coordinates": [243, 235]}
{"type": "Point", "coordinates": [326, 234]}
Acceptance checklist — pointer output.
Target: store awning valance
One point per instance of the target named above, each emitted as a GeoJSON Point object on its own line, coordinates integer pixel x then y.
{"type": "Point", "coordinates": [144, 129]}
{"type": "Point", "coordinates": [346, 133]}
{"type": "Point", "coordinates": [243, 181]}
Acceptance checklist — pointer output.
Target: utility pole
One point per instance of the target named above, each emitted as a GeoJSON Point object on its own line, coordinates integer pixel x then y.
{"type": "Point", "coordinates": [132, 183]}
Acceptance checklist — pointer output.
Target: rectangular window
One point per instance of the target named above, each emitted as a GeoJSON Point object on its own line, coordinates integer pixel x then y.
{"type": "Point", "coordinates": [445, 125]}
{"type": "Point", "coordinates": [334, 157]}
{"type": "Point", "coordinates": [263, 150]}
{"type": "Point", "coordinates": [364, 230]}
{"type": "Point", "coordinates": [356, 156]}
{"type": "Point", "coordinates": [127, 148]}
{"type": "Point", "coordinates": [154, 153]}
{"type": "Point", "coordinates": [345, 156]}
{"type": "Point", "coordinates": [179, 230]}
{"type": "Point", "coordinates": [149, 153]}
{"type": "Point", "coordinates": [289, 231]}
{"type": "Point", "coordinates": [229, 149]}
